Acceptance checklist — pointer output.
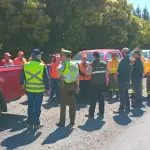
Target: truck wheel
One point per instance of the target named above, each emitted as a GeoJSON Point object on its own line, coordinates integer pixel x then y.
{"type": "Point", "coordinates": [3, 105]}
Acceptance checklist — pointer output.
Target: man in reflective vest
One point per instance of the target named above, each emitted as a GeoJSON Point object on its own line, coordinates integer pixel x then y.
{"type": "Point", "coordinates": [112, 67]}
{"type": "Point", "coordinates": [98, 85]}
{"type": "Point", "coordinates": [20, 60]}
{"type": "Point", "coordinates": [7, 61]}
{"type": "Point", "coordinates": [69, 85]}
{"type": "Point", "coordinates": [34, 79]}
{"type": "Point", "coordinates": [84, 78]}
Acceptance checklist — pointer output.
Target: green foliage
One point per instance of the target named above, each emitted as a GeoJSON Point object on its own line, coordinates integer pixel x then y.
{"type": "Point", "coordinates": [72, 24]}
{"type": "Point", "coordinates": [23, 27]}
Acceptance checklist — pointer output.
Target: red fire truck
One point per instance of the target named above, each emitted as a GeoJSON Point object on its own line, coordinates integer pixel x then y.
{"type": "Point", "coordinates": [10, 88]}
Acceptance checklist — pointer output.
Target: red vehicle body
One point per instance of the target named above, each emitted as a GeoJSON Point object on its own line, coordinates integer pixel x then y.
{"type": "Point", "coordinates": [10, 87]}
{"type": "Point", "coordinates": [105, 54]}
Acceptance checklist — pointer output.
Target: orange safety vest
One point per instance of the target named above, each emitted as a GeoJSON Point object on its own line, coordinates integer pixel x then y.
{"type": "Point", "coordinates": [82, 69]}
{"type": "Point", "coordinates": [53, 71]}
{"type": "Point", "coordinates": [17, 61]}
{"type": "Point", "coordinates": [112, 66]}
{"type": "Point", "coordinates": [143, 59]}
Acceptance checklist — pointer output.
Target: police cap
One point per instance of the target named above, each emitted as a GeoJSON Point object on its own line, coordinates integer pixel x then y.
{"type": "Point", "coordinates": [66, 52]}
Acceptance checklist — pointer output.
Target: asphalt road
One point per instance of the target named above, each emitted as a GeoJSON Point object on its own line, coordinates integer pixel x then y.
{"type": "Point", "coordinates": [136, 137]}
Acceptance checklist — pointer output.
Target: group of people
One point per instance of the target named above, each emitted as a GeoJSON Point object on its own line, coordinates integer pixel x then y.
{"type": "Point", "coordinates": [87, 80]}
{"type": "Point", "coordinates": [7, 61]}
{"type": "Point", "coordinates": [19, 60]}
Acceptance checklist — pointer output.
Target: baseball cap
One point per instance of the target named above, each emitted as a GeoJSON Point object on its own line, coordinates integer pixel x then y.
{"type": "Point", "coordinates": [7, 54]}
{"type": "Point", "coordinates": [137, 52]}
{"type": "Point", "coordinates": [36, 52]}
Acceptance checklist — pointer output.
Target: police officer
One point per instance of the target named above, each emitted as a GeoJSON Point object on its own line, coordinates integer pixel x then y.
{"type": "Point", "coordinates": [137, 77]}
{"type": "Point", "coordinates": [98, 85]}
{"type": "Point", "coordinates": [69, 85]}
{"type": "Point", "coordinates": [34, 78]}
{"type": "Point", "coordinates": [123, 75]}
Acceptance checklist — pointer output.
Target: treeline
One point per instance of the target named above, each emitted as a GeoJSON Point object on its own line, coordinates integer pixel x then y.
{"type": "Point", "coordinates": [72, 24]}
{"type": "Point", "coordinates": [142, 13]}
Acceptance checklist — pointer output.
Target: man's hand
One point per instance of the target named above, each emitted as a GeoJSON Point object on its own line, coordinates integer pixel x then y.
{"type": "Point", "coordinates": [115, 76]}
{"type": "Point", "coordinates": [107, 82]}
{"type": "Point", "coordinates": [78, 89]}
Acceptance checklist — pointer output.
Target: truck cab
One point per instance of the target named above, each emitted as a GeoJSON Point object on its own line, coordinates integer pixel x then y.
{"type": "Point", "coordinates": [10, 87]}
{"type": "Point", "coordinates": [105, 54]}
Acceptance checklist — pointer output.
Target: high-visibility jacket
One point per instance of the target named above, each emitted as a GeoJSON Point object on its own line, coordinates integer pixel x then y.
{"type": "Point", "coordinates": [143, 59]}
{"type": "Point", "coordinates": [17, 61]}
{"type": "Point", "coordinates": [71, 72]}
{"type": "Point", "coordinates": [147, 67]}
{"type": "Point", "coordinates": [30, 59]}
{"type": "Point", "coordinates": [53, 71]}
{"type": "Point", "coordinates": [34, 77]}
{"type": "Point", "coordinates": [112, 66]}
{"type": "Point", "coordinates": [5, 62]}
{"type": "Point", "coordinates": [82, 72]}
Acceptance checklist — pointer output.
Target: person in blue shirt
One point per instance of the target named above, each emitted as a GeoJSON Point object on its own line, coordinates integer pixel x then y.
{"type": "Point", "coordinates": [123, 76]}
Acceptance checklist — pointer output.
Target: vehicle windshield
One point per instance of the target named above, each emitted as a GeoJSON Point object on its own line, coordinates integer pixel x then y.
{"type": "Point", "coordinates": [89, 56]}
{"type": "Point", "coordinates": [145, 54]}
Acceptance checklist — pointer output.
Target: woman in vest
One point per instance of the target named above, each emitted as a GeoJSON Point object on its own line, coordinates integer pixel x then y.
{"type": "Point", "coordinates": [55, 78]}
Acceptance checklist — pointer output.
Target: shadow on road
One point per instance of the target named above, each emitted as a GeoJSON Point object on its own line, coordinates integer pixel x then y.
{"type": "Point", "coordinates": [93, 124]}
{"type": "Point", "coordinates": [13, 122]}
{"type": "Point", "coordinates": [137, 112]}
{"type": "Point", "coordinates": [57, 135]}
{"type": "Point", "coordinates": [148, 103]}
{"type": "Point", "coordinates": [24, 138]}
{"type": "Point", "coordinates": [122, 119]}
{"type": "Point", "coordinates": [80, 105]}
{"type": "Point", "coordinates": [24, 102]}
{"type": "Point", "coordinates": [49, 105]}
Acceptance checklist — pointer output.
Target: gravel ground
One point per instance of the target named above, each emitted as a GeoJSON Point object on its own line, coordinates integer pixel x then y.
{"type": "Point", "coordinates": [85, 135]}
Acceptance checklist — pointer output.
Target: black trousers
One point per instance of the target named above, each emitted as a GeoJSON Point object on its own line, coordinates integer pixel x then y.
{"type": "Point", "coordinates": [84, 90]}
{"type": "Point", "coordinates": [97, 94]}
{"type": "Point", "coordinates": [124, 95]}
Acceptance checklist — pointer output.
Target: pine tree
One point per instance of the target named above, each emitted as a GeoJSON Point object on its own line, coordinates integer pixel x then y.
{"type": "Point", "coordinates": [138, 12]}
{"type": "Point", "coordinates": [145, 14]}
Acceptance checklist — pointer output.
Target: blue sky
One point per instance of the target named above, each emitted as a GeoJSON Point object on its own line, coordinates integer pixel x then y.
{"type": "Point", "coordinates": [142, 3]}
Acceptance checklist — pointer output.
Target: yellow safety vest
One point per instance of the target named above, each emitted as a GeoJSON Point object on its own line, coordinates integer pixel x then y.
{"type": "Point", "coordinates": [34, 77]}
